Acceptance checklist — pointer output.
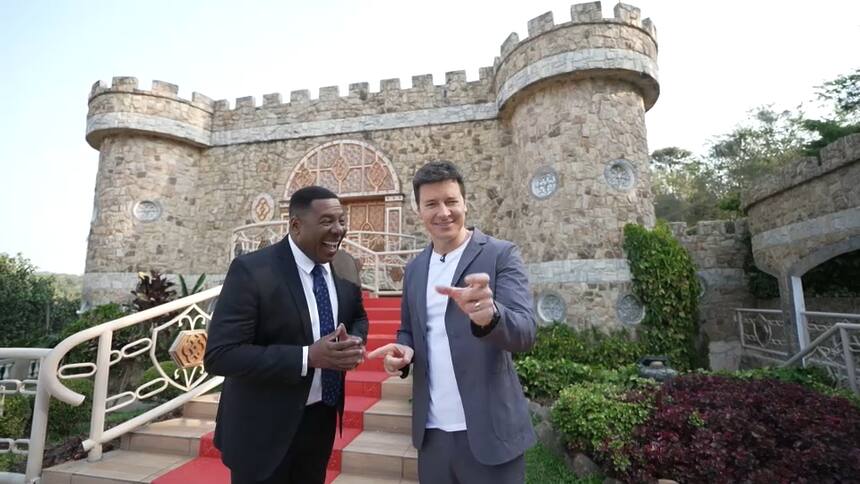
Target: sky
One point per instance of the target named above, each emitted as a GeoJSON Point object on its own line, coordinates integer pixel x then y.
{"type": "Point", "coordinates": [717, 61]}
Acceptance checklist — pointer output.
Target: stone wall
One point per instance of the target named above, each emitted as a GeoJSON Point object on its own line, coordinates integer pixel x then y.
{"type": "Point", "coordinates": [718, 249]}
{"type": "Point", "coordinates": [809, 212]}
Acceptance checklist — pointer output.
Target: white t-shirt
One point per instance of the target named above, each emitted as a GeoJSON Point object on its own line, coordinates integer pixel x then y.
{"type": "Point", "coordinates": [446, 406]}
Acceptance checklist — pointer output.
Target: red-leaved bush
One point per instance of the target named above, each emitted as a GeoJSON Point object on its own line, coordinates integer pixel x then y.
{"type": "Point", "coordinates": [719, 429]}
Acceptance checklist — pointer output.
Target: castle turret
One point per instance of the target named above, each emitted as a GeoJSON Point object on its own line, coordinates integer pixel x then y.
{"type": "Point", "coordinates": [572, 98]}
{"type": "Point", "coordinates": [149, 146]}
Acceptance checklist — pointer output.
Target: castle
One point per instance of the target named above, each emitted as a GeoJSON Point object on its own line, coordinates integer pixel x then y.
{"type": "Point", "coordinates": [551, 140]}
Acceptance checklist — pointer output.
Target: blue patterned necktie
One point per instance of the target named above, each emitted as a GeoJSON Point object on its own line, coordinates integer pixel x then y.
{"type": "Point", "coordinates": [331, 383]}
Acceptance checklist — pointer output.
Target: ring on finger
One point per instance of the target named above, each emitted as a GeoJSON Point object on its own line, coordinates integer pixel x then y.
{"type": "Point", "coordinates": [477, 305]}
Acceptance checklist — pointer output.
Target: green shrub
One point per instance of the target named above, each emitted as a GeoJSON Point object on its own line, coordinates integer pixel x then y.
{"type": "Point", "coordinates": [612, 350]}
{"type": "Point", "coordinates": [557, 340]}
{"type": "Point", "coordinates": [543, 379]}
{"type": "Point", "coordinates": [589, 347]}
{"type": "Point", "coordinates": [17, 412]}
{"type": "Point", "coordinates": [12, 463]}
{"type": "Point", "coordinates": [599, 418]}
{"type": "Point", "coordinates": [171, 392]}
{"type": "Point", "coordinates": [65, 420]}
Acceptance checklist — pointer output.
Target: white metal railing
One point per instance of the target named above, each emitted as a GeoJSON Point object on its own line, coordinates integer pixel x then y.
{"type": "Point", "coordinates": [34, 446]}
{"type": "Point", "coordinates": [381, 272]}
{"type": "Point", "coordinates": [764, 331]}
{"type": "Point", "coordinates": [835, 345]}
{"type": "Point", "coordinates": [382, 255]}
{"type": "Point", "coordinates": [182, 314]}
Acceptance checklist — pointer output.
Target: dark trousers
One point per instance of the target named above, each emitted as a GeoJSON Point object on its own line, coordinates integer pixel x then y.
{"type": "Point", "coordinates": [445, 458]}
{"type": "Point", "coordinates": [306, 461]}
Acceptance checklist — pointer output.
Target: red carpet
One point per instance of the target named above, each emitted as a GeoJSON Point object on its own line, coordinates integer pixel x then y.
{"type": "Point", "coordinates": [363, 389]}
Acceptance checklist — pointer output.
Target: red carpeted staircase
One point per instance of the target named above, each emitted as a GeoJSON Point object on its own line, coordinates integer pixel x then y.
{"type": "Point", "coordinates": [363, 390]}
{"type": "Point", "coordinates": [181, 451]}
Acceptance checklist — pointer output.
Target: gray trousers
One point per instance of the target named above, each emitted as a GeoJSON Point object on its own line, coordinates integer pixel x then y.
{"type": "Point", "coordinates": [445, 458]}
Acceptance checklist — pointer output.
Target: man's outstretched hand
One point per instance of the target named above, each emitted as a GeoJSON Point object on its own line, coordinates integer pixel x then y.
{"type": "Point", "coordinates": [336, 351]}
{"type": "Point", "coordinates": [396, 357]}
{"type": "Point", "coordinates": [475, 300]}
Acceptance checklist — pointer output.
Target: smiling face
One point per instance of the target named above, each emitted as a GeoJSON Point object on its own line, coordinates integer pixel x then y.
{"type": "Point", "coordinates": [443, 211]}
{"type": "Point", "coordinates": [319, 230]}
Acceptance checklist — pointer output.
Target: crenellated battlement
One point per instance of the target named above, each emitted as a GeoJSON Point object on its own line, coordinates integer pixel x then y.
{"type": "Point", "coordinates": [360, 100]}
{"type": "Point", "coordinates": [719, 228]}
{"type": "Point", "coordinates": [581, 13]}
{"type": "Point", "coordinates": [835, 156]}
{"type": "Point", "coordinates": [123, 84]}
{"type": "Point", "coordinates": [622, 46]}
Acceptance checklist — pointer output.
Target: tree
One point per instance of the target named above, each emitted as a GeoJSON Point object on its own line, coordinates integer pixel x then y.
{"type": "Point", "coordinates": [26, 303]}
{"type": "Point", "coordinates": [685, 188]}
{"type": "Point", "coordinates": [844, 93]}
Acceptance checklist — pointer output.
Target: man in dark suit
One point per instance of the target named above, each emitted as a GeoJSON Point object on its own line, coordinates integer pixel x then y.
{"type": "Point", "coordinates": [466, 307]}
{"type": "Point", "coordinates": [285, 329]}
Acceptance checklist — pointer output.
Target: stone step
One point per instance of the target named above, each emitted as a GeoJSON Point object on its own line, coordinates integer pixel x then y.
{"type": "Point", "coordinates": [381, 302]}
{"type": "Point", "coordinates": [389, 416]}
{"type": "Point", "coordinates": [375, 341]}
{"type": "Point", "coordinates": [381, 455]}
{"type": "Point", "coordinates": [117, 466]}
{"type": "Point", "coordinates": [384, 313]}
{"type": "Point", "coordinates": [180, 436]}
{"type": "Point", "coordinates": [396, 388]}
{"type": "Point", "coordinates": [355, 479]}
{"type": "Point", "coordinates": [202, 407]}
{"type": "Point", "coordinates": [383, 326]}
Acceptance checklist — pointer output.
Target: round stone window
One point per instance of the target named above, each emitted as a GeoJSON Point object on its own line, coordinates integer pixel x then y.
{"type": "Point", "coordinates": [147, 211]}
{"type": "Point", "coordinates": [544, 183]}
{"type": "Point", "coordinates": [551, 307]}
{"type": "Point", "coordinates": [630, 310]}
{"type": "Point", "coordinates": [620, 175]}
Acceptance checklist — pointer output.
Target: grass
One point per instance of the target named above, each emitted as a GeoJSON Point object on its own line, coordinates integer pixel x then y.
{"type": "Point", "coordinates": [542, 467]}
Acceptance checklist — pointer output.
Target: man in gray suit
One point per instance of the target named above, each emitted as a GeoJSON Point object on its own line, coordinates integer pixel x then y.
{"type": "Point", "coordinates": [466, 307]}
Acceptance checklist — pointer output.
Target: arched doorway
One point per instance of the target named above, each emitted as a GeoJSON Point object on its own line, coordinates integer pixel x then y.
{"type": "Point", "coordinates": [363, 178]}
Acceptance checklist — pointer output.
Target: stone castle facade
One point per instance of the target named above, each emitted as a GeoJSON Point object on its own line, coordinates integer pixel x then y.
{"type": "Point", "coordinates": [551, 140]}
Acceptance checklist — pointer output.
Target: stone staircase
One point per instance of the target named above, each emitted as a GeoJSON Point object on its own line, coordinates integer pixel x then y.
{"type": "Point", "coordinates": [375, 447]}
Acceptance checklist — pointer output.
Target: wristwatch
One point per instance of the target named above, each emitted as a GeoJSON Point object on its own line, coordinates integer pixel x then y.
{"type": "Point", "coordinates": [496, 315]}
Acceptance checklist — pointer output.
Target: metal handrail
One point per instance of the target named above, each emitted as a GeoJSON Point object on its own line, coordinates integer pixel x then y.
{"type": "Point", "coordinates": [812, 346]}
{"type": "Point", "coordinates": [106, 357]}
{"type": "Point", "coordinates": [841, 366]}
{"type": "Point", "coordinates": [52, 360]}
{"type": "Point", "coordinates": [39, 425]}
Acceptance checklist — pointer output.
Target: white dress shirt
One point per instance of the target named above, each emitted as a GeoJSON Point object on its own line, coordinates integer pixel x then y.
{"type": "Point", "coordinates": [305, 266]}
{"type": "Point", "coordinates": [446, 406]}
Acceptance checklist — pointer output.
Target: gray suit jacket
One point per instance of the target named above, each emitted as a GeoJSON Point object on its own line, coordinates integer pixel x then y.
{"type": "Point", "coordinates": [497, 417]}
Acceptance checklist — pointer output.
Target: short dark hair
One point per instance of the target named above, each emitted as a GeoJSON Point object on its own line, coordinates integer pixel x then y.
{"type": "Point", "coordinates": [301, 200]}
{"type": "Point", "coordinates": [435, 172]}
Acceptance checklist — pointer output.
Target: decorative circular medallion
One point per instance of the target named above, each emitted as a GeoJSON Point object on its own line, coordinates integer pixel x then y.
{"type": "Point", "coordinates": [544, 183]}
{"type": "Point", "coordinates": [147, 211]}
{"type": "Point", "coordinates": [620, 175]}
{"type": "Point", "coordinates": [551, 307]}
{"type": "Point", "coordinates": [630, 310]}
{"type": "Point", "coordinates": [263, 208]}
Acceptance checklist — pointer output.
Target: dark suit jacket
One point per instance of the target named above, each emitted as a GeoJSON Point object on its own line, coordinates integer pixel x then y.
{"type": "Point", "coordinates": [260, 324]}
{"type": "Point", "coordinates": [497, 419]}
